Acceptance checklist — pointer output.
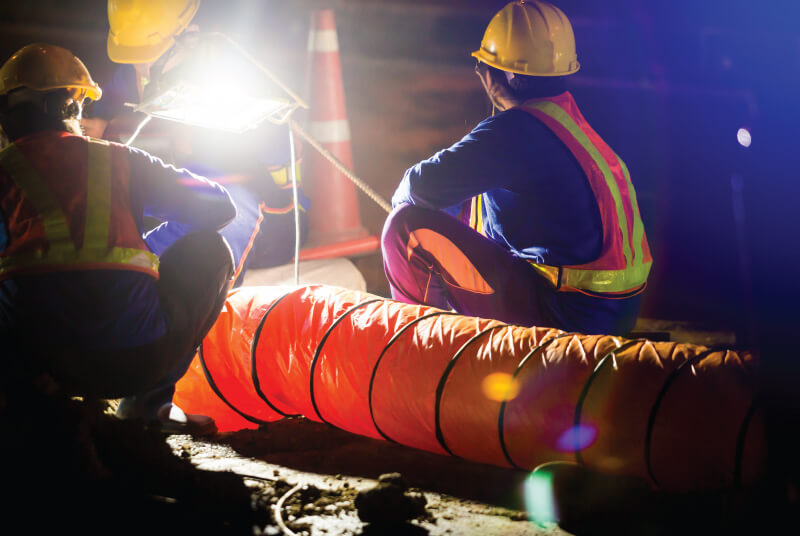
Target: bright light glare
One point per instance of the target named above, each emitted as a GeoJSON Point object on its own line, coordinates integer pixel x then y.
{"type": "Point", "coordinates": [213, 109]}
{"type": "Point", "coordinates": [576, 438]}
{"type": "Point", "coordinates": [743, 137]}
{"type": "Point", "coordinates": [539, 501]}
{"type": "Point", "coordinates": [500, 386]}
{"type": "Point", "coordinates": [217, 91]}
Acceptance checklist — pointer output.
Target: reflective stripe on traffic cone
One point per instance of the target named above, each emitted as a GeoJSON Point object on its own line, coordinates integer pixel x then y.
{"type": "Point", "coordinates": [335, 227]}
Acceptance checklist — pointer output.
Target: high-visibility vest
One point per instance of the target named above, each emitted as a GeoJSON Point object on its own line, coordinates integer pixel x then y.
{"type": "Point", "coordinates": [57, 221]}
{"type": "Point", "coordinates": [624, 263]}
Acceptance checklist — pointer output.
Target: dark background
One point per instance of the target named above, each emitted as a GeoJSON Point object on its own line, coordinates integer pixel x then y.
{"type": "Point", "coordinates": [667, 84]}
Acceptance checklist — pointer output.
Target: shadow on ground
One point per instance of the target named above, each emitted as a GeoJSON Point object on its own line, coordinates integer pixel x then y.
{"type": "Point", "coordinates": [585, 502]}
{"type": "Point", "coordinates": [320, 448]}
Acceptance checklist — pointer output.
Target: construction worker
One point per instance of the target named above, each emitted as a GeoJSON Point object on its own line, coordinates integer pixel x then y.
{"type": "Point", "coordinates": [83, 298]}
{"type": "Point", "coordinates": [531, 218]}
{"type": "Point", "coordinates": [150, 38]}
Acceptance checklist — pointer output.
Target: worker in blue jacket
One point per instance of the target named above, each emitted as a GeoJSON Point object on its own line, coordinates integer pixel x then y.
{"type": "Point", "coordinates": [531, 218]}
{"type": "Point", "coordinates": [149, 39]}
{"type": "Point", "coordinates": [86, 297]}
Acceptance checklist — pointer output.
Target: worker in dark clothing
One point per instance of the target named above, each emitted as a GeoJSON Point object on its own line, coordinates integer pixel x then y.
{"type": "Point", "coordinates": [531, 218]}
{"type": "Point", "coordinates": [83, 298]}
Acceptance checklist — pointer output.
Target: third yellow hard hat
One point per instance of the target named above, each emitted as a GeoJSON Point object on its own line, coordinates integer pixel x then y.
{"type": "Point", "coordinates": [140, 31]}
{"type": "Point", "coordinates": [45, 67]}
{"type": "Point", "coordinates": [530, 37]}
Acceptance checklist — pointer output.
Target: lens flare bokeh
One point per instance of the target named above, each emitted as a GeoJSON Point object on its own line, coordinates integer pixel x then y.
{"type": "Point", "coordinates": [539, 498]}
{"type": "Point", "coordinates": [500, 386]}
{"type": "Point", "coordinates": [577, 438]}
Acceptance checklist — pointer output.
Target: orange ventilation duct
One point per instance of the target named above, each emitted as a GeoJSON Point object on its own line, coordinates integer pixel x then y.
{"type": "Point", "coordinates": [680, 415]}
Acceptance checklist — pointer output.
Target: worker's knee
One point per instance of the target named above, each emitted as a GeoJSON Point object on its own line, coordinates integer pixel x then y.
{"type": "Point", "coordinates": [200, 254]}
{"type": "Point", "coordinates": [403, 218]}
{"type": "Point", "coordinates": [399, 225]}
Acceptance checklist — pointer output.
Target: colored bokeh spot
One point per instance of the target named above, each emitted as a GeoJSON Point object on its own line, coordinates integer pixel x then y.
{"type": "Point", "coordinates": [539, 502]}
{"type": "Point", "coordinates": [500, 386]}
{"type": "Point", "coordinates": [577, 438]}
{"type": "Point", "coordinates": [744, 137]}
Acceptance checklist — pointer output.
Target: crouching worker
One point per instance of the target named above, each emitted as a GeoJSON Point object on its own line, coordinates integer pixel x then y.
{"type": "Point", "coordinates": [83, 299]}
{"type": "Point", "coordinates": [547, 229]}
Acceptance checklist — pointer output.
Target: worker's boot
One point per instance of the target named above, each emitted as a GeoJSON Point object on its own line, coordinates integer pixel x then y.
{"type": "Point", "coordinates": [168, 417]}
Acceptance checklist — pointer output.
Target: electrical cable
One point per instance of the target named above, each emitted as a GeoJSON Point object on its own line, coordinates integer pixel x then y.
{"type": "Point", "coordinates": [138, 130]}
{"type": "Point", "coordinates": [279, 506]}
{"type": "Point", "coordinates": [296, 199]}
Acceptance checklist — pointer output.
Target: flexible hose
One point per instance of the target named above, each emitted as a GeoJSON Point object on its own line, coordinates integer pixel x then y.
{"type": "Point", "coordinates": [678, 414]}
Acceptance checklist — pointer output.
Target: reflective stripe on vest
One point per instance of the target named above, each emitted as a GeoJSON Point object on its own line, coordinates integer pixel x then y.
{"type": "Point", "coordinates": [62, 252]}
{"type": "Point", "coordinates": [476, 214]}
{"type": "Point", "coordinates": [281, 176]}
{"type": "Point", "coordinates": [634, 263]}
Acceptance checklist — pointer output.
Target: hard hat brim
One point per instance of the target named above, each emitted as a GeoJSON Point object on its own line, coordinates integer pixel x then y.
{"type": "Point", "coordinates": [489, 59]}
{"type": "Point", "coordinates": [92, 92]}
{"type": "Point", "coordinates": [143, 54]}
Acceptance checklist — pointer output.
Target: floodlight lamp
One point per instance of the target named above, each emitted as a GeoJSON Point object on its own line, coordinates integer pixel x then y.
{"type": "Point", "coordinates": [193, 105]}
{"type": "Point", "coordinates": [212, 85]}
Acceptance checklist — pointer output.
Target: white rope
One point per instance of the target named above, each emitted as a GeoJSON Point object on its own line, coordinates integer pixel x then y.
{"type": "Point", "coordinates": [375, 196]}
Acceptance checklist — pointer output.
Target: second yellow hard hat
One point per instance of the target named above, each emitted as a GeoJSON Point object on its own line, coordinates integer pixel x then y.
{"type": "Point", "coordinates": [140, 31]}
{"type": "Point", "coordinates": [530, 37]}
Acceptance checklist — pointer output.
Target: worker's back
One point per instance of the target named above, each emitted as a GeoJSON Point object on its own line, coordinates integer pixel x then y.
{"type": "Point", "coordinates": [83, 303]}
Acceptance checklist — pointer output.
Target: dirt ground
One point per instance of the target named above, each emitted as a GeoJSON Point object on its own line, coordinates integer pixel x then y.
{"type": "Point", "coordinates": [69, 466]}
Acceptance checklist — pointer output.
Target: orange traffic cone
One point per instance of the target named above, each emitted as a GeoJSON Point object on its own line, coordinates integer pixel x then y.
{"type": "Point", "coordinates": [335, 227]}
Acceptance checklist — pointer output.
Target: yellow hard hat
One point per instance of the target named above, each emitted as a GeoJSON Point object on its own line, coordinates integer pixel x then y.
{"type": "Point", "coordinates": [140, 31]}
{"type": "Point", "coordinates": [532, 38]}
{"type": "Point", "coordinates": [43, 67]}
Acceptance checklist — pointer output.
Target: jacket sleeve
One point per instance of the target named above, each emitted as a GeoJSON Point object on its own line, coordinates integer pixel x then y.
{"type": "Point", "coordinates": [481, 161]}
{"type": "Point", "coordinates": [182, 201]}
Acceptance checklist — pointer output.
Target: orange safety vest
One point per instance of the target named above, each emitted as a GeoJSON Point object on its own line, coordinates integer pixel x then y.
{"type": "Point", "coordinates": [623, 265]}
{"type": "Point", "coordinates": [67, 207]}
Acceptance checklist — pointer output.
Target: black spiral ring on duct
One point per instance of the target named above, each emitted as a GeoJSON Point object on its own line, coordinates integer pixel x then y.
{"type": "Point", "coordinates": [254, 362]}
{"type": "Point", "coordinates": [446, 374]}
{"type": "Point", "coordinates": [380, 358]}
{"type": "Point", "coordinates": [585, 391]}
{"type": "Point", "coordinates": [504, 403]}
{"type": "Point", "coordinates": [216, 390]}
{"type": "Point", "coordinates": [318, 351]}
{"type": "Point", "coordinates": [657, 405]}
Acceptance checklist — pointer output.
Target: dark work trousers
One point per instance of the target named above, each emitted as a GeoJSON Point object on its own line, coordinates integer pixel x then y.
{"type": "Point", "coordinates": [431, 258]}
{"type": "Point", "coordinates": [194, 278]}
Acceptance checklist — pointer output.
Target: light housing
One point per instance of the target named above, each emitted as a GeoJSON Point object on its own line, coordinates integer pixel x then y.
{"type": "Point", "coordinates": [210, 81]}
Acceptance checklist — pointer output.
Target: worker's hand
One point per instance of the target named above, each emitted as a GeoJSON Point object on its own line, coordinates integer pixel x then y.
{"type": "Point", "coordinates": [497, 89]}
{"type": "Point", "coordinates": [93, 126]}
